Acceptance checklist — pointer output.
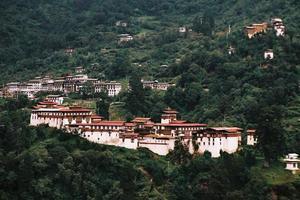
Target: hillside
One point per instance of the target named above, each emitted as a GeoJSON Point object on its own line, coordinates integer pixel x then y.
{"type": "Point", "coordinates": [35, 34]}
{"type": "Point", "coordinates": [45, 163]}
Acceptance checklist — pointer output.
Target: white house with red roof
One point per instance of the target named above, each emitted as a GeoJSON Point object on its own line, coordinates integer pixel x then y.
{"type": "Point", "coordinates": [58, 116]}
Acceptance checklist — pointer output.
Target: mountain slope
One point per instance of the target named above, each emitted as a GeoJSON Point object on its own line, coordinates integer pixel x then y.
{"type": "Point", "coordinates": [34, 34]}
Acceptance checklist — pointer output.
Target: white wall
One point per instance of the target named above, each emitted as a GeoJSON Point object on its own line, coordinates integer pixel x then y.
{"type": "Point", "coordinates": [128, 143]}
{"type": "Point", "coordinates": [290, 166]}
{"type": "Point", "coordinates": [159, 148]}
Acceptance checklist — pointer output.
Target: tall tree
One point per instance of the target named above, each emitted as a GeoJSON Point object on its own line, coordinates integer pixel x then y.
{"type": "Point", "coordinates": [270, 132]}
{"type": "Point", "coordinates": [121, 65]}
{"type": "Point", "coordinates": [135, 101]}
{"type": "Point", "coordinates": [102, 106]}
{"type": "Point", "coordinates": [204, 24]}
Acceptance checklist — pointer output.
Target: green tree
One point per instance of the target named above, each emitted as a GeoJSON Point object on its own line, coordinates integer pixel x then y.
{"type": "Point", "coordinates": [270, 132]}
{"type": "Point", "coordinates": [204, 24]}
{"type": "Point", "coordinates": [87, 90]}
{"type": "Point", "coordinates": [135, 100]}
{"type": "Point", "coordinates": [180, 155]}
{"type": "Point", "coordinates": [102, 106]}
{"type": "Point", "coordinates": [121, 65]}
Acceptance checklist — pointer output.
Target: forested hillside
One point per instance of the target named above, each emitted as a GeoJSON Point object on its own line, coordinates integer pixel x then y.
{"type": "Point", "coordinates": [35, 33]}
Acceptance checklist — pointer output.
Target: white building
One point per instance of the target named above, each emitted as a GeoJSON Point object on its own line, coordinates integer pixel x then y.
{"type": "Point", "coordinates": [231, 50]}
{"type": "Point", "coordinates": [125, 38]}
{"type": "Point", "coordinates": [121, 23]}
{"type": "Point", "coordinates": [182, 29]}
{"type": "Point", "coordinates": [55, 98]}
{"type": "Point", "coordinates": [58, 116]}
{"type": "Point", "coordinates": [159, 144]}
{"type": "Point", "coordinates": [79, 70]}
{"type": "Point", "coordinates": [292, 162]}
{"type": "Point", "coordinates": [269, 54]}
{"type": "Point", "coordinates": [251, 137]}
{"type": "Point", "coordinates": [104, 132]}
{"type": "Point", "coordinates": [13, 86]}
{"type": "Point", "coordinates": [218, 139]}
{"type": "Point", "coordinates": [112, 88]}
{"type": "Point", "coordinates": [278, 26]}
{"type": "Point", "coordinates": [155, 85]}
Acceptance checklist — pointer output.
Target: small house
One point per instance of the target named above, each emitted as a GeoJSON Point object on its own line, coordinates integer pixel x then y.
{"type": "Point", "coordinates": [269, 54]}
{"type": "Point", "coordinates": [292, 162]}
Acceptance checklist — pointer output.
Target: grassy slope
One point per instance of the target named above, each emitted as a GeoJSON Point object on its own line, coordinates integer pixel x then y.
{"type": "Point", "coordinates": [276, 174]}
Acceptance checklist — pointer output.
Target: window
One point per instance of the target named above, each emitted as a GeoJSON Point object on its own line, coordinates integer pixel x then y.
{"type": "Point", "coordinates": [132, 140]}
{"type": "Point", "coordinates": [294, 165]}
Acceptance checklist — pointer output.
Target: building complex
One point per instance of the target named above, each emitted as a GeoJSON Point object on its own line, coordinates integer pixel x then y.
{"type": "Point", "coordinates": [66, 84]}
{"type": "Point", "coordinates": [140, 132]}
{"type": "Point", "coordinates": [276, 24]}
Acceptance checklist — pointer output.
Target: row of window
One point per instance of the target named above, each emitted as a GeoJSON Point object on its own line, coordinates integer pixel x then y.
{"type": "Point", "coordinates": [63, 114]}
{"type": "Point", "coordinates": [208, 143]}
{"type": "Point", "coordinates": [109, 134]}
{"type": "Point", "coordinates": [106, 127]}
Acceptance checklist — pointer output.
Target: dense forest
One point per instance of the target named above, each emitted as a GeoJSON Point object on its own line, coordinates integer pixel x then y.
{"type": "Point", "coordinates": [46, 163]}
{"type": "Point", "coordinates": [242, 89]}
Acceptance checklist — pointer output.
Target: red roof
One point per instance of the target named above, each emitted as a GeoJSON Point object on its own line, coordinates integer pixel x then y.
{"type": "Point", "coordinates": [227, 129]}
{"type": "Point", "coordinates": [96, 117]}
{"type": "Point", "coordinates": [182, 124]}
{"type": "Point", "coordinates": [47, 103]}
{"type": "Point", "coordinates": [75, 110]}
{"type": "Point", "coordinates": [169, 111]}
{"type": "Point", "coordinates": [104, 123]}
{"type": "Point", "coordinates": [141, 119]}
{"type": "Point", "coordinates": [178, 122]}
{"type": "Point", "coordinates": [129, 124]}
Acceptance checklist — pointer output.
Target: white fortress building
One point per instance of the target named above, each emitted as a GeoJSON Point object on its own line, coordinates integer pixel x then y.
{"type": "Point", "coordinates": [140, 132]}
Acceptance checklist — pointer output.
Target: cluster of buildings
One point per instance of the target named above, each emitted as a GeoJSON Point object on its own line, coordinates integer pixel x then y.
{"type": "Point", "coordinates": [66, 84]}
{"type": "Point", "coordinates": [141, 131]}
{"type": "Point", "coordinates": [123, 38]}
{"type": "Point", "coordinates": [156, 85]}
{"type": "Point", "coordinates": [276, 24]}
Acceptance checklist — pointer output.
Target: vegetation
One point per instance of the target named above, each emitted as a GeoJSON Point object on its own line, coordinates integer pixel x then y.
{"type": "Point", "coordinates": [242, 89]}
{"type": "Point", "coordinates": [46, 163]}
